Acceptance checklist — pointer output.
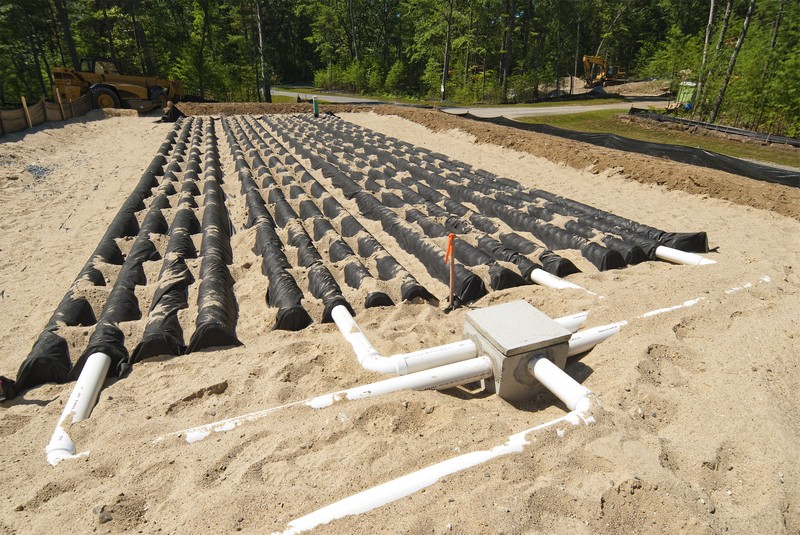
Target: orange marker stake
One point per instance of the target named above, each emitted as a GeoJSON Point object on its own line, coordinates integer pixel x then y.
{"type": "Point", "coordinates": [451, 258]}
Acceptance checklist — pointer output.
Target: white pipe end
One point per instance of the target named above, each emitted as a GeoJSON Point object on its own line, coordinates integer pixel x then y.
{"type": "Point", "coordinates": [543, 278]}
{"type": "Point", "coordinates": [62, 447]}
{"type": "Point", "coordinates": [573, 322]}
{"type": "Point", "coordinates": [681, 257]}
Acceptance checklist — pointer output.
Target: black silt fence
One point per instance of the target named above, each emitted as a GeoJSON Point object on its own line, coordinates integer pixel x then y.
{"type": "Point", "coordinates": [690, 155]}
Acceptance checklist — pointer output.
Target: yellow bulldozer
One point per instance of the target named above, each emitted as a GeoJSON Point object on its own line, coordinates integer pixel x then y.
{"type": "Point", "coordinates": [100, 78]}
{"type": "Point", "coordinates": [599, 72]}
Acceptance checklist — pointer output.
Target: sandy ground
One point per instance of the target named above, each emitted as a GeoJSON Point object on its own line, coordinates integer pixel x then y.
{"type": "Point", "coordinates": [699, 427]}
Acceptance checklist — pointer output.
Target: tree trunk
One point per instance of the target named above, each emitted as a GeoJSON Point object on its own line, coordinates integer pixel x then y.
{"type": "Point", "coordinates": [508, 41]}
{"type": "Point", "coordinates": [21, 75]}
{"type": "Point", "coordinates": [732, 63]}
{"type": "Point", "coordinates": [201, 58]}
{"type": "Point", "coordinates": [249, 38]}
{"type": "Point", "coordinates": [36, 47]}
{"type": "Point", "coordinates": [63, 18]}
{"type": "Point", "coordinates": [264, 70]}
{"type": "Point", "coordinates": [775, 29]}
{"type": "Point", "coordinates": [556, 66]}
{"type": "Point", "coordinates": [53, 19]}
{"type": "Point", "coordinates": [483, 86]}
{"type": "Point", "coordinates": [526, 63]}
{"type": "Point", "coordinates": [577, 55]}
{"type": "Point", "coordinates": [447, 52]}
{"type": "Point", "coordinates": [712, 10]}
{"type": "Point", "coordinates": [141, 43]}
{"type": "Point", "coordinates": [724, 29]}
{"type": "Point", "coordinates": [612, 25]}
{"type": "Point", "coordinates": [108, 26]}
{"type": "Point", "coordinates": [768, 63]}
{"type": "Point", "coordinates": [352, 15]}
{"type": "Point", "coordinates": [469, 42]}
{"type": "Point", "coordinates": [37, 65]}
{"type": "Point", "coordinates": [142, 66]}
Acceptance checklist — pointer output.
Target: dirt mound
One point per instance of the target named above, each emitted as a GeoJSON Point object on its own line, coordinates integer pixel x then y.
{"type": "Point", "coordinates": [645, 88]}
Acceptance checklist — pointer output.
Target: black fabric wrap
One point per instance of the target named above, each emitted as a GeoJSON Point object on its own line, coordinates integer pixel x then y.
{"type": "Point", "coordinates": [429, 197]}
{"type": "Point", "coordinates": [163, 334]}
{"type": "Point", "coordinates": [282, 290]}
{"type": "Point", "coordinates": [643, 235]}
{"type": "Point", "coordinates": [49, 358]}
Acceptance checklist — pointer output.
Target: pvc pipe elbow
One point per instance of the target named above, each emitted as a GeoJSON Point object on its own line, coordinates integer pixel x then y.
{"type": "Point", "coordinates": [60, 447]}
{"type": "Point", "coordinates": [583, 405]}
{"type": "Point", "coordinates": [79, 406]}
{"type": "Point", "coordinates": [376, 362]}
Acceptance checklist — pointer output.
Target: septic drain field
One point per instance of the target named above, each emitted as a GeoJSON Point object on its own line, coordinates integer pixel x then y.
{"type": "Point", "coordinates": [211, 286]}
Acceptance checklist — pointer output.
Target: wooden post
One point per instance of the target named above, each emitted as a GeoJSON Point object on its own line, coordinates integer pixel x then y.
{"type": "Point", "coordinates": [2, 130]}
{"type": "Point", "coordinates": [72, 108]}
{"type": "Point", "coordinates": [449, 256]}
{"type": "Point", "coordinates": [27, 113]}
{"type": "Point", "coordinates": [60, 105]}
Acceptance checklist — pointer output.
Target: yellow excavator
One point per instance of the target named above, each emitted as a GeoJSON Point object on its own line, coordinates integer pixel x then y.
{"type": "Point", "coordinates": [599, 72]}
{"type": "Point", "coordinates": [101, 78]}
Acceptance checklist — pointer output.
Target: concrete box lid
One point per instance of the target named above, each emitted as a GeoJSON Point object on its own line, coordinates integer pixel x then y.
{"type": "Point", "coordinates": [517, 327]}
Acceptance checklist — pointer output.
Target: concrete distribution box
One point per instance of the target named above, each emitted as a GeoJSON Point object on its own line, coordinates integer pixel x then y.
{"type": "Point", "coordinates": [512, 334]}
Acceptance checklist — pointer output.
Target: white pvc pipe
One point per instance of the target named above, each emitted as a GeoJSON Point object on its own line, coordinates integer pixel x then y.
{"type": "Point", "coordinates": [408, 484]}
{"type": "Point", "coordinates": [682, 257]}
{"type": "Point", "coordinates": [588, 338]}
{"type": "Point", "coordinates": [367, 355]}
{"type": "Point", "coordinates": [572, 323]}
{"type": "Point", "coordinates": [424, 359]}
{"type": "Point", "coordinates": [79, 406]}
{"type": "Point", "coordinates": [440, 378]}
{"type": "Point", "coordinates": [574, 395]}
{"type": "Point", "coordinates": [543, 278]}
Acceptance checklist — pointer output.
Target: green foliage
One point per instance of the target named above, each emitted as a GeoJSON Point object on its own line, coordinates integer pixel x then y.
{"type": "Point", "coordinates": [396, 78]}
{"type": "Point", "coordinates": [523, 87]}
{"type": "Point", "coordinates": [398, 47]}
{"type": "Point", "coordinates": [432, 78]}
{"type": "Point", "coordinates": [676, 59]}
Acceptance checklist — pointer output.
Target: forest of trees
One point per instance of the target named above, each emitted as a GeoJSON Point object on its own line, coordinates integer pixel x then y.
{"type": "Point", "coordinates": [744, 54]}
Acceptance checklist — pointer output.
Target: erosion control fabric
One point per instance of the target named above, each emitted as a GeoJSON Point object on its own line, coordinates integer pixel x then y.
{"type": "Point", "coordinates": [337, 214]}
{"type": "Point", "coordinates": [678, 153]}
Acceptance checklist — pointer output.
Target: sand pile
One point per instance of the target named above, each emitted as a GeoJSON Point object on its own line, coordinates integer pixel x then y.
{"type": "Point", "coordinates": [698, 431]}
